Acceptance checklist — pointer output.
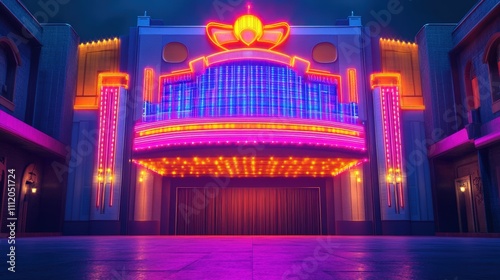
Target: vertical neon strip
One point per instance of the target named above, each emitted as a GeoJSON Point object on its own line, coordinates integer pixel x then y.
{"type": "Point", "coordinates": [148, 84]}
{"type": "Point", "coordinates": [272, 91]}
{"type": "Point", "coordinates": [169, 99]}
{"type": "Point", "coordinates": [148, 91]}
{"type": "Point", "coordinates": [251, 89]}
{"type": "Point", "coordinates": [244, 92]}
{"type": "Point", "coordinates": [239, 89]}
{"type": "Point", "coordinates": [309, 105]}
{"type": "Point", "coordinates": [100, 154]}
{"type": "Point", "coordinates": [263, 73]}
{"type": "Point", "coordinates": [339, 93]}
{"type": "Point", "coordinates": [320, 100]}
{"type": "Point", "coordinates": [300, 99]}
{"type": "Point", "coordinates": [218, 87]}
{"type": "Point", "coordinates": [385, 125]}
{"type": "Point", "coordinates": [223, 78]}
{"type": "Point", "coordinates": [398, 140]}
{"type": "Point", "coordinates": [104, 139]}
{"type": "Point", "coordinates": [107, 149]}
{"type": "Point", "coordinates": [112, 146]}
{"type": "Point", "coordinates": [202, 96]}
{"type": "Point", "coordinates": [280, 96]}
{"type": "Point", "coordinates": [178, 99]}
{"type": "Point", "coordinates": [353, 85]}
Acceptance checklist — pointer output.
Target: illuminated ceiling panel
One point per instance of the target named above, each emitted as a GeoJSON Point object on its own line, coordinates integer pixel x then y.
{"type": "Point", "coordinates": [249, 166]}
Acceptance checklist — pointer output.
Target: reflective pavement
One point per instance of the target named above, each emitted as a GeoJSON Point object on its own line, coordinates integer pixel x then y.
{"type": "Point", "coordinates": [253, 257]}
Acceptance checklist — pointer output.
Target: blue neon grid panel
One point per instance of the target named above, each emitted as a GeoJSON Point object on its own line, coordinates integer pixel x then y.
{"type": "Point", "coordinates": [250, 89]}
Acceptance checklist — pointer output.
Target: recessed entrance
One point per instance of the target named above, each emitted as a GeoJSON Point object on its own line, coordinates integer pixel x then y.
{"type": "Point", "coordinates": [248, 211]}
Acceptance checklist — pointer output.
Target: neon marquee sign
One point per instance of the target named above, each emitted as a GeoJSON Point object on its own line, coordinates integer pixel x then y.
{"type": "Point", "coordinates": [247, 31]}
{"type": "Point", "coordinates": [211, 88]}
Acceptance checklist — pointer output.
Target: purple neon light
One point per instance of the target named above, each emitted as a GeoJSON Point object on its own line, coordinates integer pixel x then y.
{"type": "Point", "coordinates": [237, 136]}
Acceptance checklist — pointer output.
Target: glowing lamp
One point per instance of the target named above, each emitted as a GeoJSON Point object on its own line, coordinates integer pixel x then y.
{"type": "Point", "coordinates": [462, 189]}
{"type": "Point", "coordinates": [248, 28]}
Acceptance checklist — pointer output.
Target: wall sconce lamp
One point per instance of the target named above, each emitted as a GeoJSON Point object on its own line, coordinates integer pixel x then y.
{"type": "Point", "coordinates": [462, 188]}
{"type": "Point", "coordinates": [394, 178]}
{"type": "Point", "coordinates": [142, 176]}
{"type": "Point", "coordinates": [30, 183]}
{"type": "Point", "coordinates": [357, 177]}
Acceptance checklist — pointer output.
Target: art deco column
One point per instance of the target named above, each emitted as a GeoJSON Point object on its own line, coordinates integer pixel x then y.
{"type": "Point", "coordinates": [112, 88]}
{"type": "Point", "coordinates": [387, 103]}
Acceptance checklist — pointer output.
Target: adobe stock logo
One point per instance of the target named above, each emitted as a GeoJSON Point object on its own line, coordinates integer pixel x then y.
{"type": "Point", "coordinates": [223, 6]}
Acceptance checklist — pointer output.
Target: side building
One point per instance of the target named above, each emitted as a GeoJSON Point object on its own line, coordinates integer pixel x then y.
{"type": "Point", "coordinates": [37, 84]}
{"type": "Point", "coordinates": [460, 66]}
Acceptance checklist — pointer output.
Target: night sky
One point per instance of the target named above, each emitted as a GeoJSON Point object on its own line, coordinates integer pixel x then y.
{"type": "Point", "coordinates": [96, 19]}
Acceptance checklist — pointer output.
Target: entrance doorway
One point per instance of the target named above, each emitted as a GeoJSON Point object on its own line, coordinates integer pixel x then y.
{"type": "Point", "coordinates": [465, 207]}
{"type": "Point", "coordinates": [252, 211]}
{"type": "Point", "coordinates": [470, 204]}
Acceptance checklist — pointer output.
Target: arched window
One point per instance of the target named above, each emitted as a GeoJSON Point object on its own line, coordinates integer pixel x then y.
{"type": "Point", "coordinates": [4, 65]}
{"type": "Point", "coordinates": [472, 100]}
{"type": "Point", "coordinates": [9, 60]}
{"type": "Point", "coordinates": [492, 57]}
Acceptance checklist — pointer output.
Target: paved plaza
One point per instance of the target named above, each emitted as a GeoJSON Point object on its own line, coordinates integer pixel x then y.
{"type": "Point", "coordinates": [254, 257]}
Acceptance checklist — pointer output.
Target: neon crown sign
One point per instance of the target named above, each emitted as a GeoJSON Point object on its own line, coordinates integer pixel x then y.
{"type": "Point", "coordinates": [246, 39]}
{"type": "Point", "coordinates": [248, 31]}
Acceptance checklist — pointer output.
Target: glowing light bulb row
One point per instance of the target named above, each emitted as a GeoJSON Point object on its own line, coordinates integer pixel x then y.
{"type": "Point", "coordinates": [398, 42]}
{"type": "Point", "coordinates": [357, 176]}
{"type": "Point", "coordinates": [100, 42]}
{"type": "Point", "coordinates": [167, 134]}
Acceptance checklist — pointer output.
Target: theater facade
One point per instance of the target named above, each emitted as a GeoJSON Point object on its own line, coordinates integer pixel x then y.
{"type": "Point", "coordinates": [248, 127]}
